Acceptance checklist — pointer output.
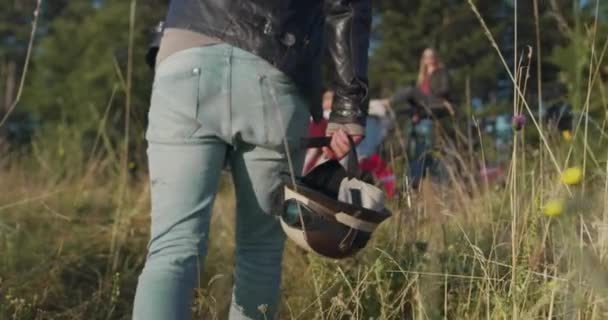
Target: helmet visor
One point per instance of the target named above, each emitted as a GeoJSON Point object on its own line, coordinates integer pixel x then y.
{"type": "Point", "coordinates": [296, 214]}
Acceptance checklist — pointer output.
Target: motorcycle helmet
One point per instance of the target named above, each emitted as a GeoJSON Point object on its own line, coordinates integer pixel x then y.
{"type": "Point", "coordinates": [330, 211]}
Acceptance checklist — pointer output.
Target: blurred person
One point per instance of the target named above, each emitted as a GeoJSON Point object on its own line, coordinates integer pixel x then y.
{"type": "Point", "coordinates": [317, 128]}
{"type": "Point", "coordinates": [431, 95]}
{"type": "Point", "coordinates": [430, 99]}
{"type": "Point", "coordinates": [327, 102]}
{"type": "Point", "coordinates": [375, 170]}
{"type": "Point", "coordinates": [379, 122]}
{"type": "Point", "coordinates": [503, 134]}
{"type": "Point", "coordinates": [373, 167]}
{"type": "Point", "coordinates": [235, 80]}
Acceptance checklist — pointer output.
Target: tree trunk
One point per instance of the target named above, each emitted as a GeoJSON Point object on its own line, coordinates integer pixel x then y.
{"type": "Point", "coordinates": [10, 84]}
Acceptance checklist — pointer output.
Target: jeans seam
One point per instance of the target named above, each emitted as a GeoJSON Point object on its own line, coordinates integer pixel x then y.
{"type": "Point", "coordinates": [264, 95]}
{"type": "Point", "coordinates": [198, 94]}
{"type": "Point", "coordinates": [229, 133]}
{"type": "Point", "coordinates": [179, 141]}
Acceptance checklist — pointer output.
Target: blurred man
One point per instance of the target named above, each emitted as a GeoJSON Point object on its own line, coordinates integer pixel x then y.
{"type": "Point", "coordinates": [236, 82]}
{"type": "Point", "coordinates": [379, 122]}
{"type": "Point", "coordinates": [317, 128]}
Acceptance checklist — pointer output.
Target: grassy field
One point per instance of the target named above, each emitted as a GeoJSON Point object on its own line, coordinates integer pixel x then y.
{"type": "Point", "coordinates": [74, 227]}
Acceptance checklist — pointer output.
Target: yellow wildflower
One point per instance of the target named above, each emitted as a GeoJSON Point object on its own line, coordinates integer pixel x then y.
{"type": "Point", "coordinates": [572, 176]}
{"type": "Point", "coordinates": [554, 208]}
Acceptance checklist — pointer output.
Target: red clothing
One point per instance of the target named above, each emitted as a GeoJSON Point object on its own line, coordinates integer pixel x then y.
{"type": "Point", "coordinates": [381, 173]}
{"type": "Point", "coordinates": [425, 86]}
{"type": "Point", "coordinates": [314, 156]}
{"type": "Point", "coordinates": [317, 129]}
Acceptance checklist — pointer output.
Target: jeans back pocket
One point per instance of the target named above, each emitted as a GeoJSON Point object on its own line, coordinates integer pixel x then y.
{"type": "Point", "coordinates": [286, 114]}
{"type": "Point", "coordinates": [174, 104]}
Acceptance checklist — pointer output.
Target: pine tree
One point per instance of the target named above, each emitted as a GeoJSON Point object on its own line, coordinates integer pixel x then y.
{"type": "Point", "coordinates": [15, 18]}
{"type": "Point", "coordinates": [84, 57]}
{"type": "Point", "coordinates": [406, 28]}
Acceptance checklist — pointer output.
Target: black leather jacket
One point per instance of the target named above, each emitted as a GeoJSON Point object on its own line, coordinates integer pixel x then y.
{"type": "Point", "coordinates": [434, 104]}
{"type": "Point", "coordinates": [290, 34]}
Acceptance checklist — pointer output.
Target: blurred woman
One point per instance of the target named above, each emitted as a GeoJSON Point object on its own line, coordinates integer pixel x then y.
{"type": "Point", "coordinates": [428, 100]}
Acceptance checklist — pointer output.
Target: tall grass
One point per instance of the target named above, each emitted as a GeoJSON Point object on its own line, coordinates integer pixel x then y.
{"type": "Point", "coordinates": [448, 256]}
{"type": "Point", "coordinates": [74, 227]}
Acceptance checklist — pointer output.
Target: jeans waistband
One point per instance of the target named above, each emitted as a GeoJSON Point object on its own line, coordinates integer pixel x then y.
{"type": "Point", "coordinates": [199, 56]}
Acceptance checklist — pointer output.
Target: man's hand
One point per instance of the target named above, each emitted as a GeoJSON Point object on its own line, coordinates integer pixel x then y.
{"type": "Point", "coordinates": [340, 145]}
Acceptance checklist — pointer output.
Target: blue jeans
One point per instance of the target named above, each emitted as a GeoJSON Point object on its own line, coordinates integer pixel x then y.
{"type": "Point", "coordinates": [375, 132]}
{"type": "Point", "coordinates": [214, 106]}
{"type": "Point", "coordinates": [421, 145]}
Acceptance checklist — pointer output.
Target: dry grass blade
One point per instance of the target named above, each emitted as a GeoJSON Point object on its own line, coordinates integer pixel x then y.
{"type": "Point", "coordinates": [26, 65]}
{"type": "Point", "coordinates": [519, 92]}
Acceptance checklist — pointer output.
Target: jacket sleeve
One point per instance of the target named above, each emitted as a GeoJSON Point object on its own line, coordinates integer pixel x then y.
{"type": "Point", "coordinates": [442, 88]}
{"type": "Point", "coordinates": [348, 27]}
{"type": "Point", "coordinates": [439, 102]}
{"type": "Point", "coordinates": [402, 95]}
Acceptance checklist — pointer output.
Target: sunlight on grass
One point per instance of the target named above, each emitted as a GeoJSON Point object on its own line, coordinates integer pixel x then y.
{"type": "Point", "coordinates": [74, 228]}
